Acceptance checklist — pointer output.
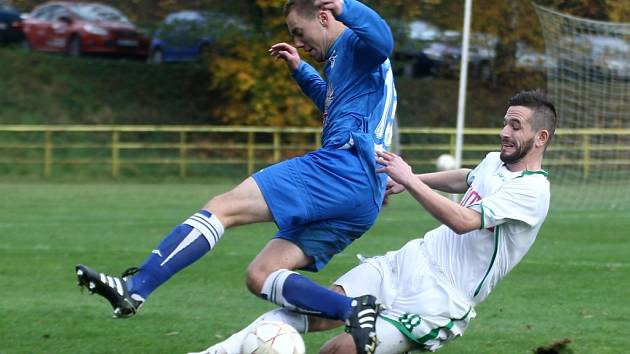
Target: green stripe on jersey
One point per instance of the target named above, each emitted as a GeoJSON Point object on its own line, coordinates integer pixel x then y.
{"type": "Point", "coordinates": [494, 256]}
{"type": "Point", "coordinates": [403, 325]}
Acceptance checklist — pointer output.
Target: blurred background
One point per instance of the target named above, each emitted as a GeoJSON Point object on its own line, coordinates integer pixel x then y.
{"type": "Point", "coordinates": [240, 84]}
{"type": "Point", "coordinates": [169, 62]}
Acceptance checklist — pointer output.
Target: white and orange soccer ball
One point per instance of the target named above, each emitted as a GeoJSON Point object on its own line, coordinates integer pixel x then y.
{"type": "Point", "coordinates": [271, 337]}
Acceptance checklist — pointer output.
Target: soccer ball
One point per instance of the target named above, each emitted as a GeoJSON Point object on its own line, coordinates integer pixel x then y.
{"type": "Point", "coordinates": [445, 162]}
{"type": "Point", "coordinates": [272, 337]}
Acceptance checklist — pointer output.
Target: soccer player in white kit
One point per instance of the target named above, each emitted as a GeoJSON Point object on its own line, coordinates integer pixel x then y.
{"type": "Point", "coordinates": [429, 288]}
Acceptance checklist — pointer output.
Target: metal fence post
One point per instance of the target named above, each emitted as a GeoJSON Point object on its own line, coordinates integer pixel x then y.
{"type": "Point", "coordinates": [276, 146]}
{"type": "Point", "coordinates": [183, 164]}
{"type": "Point", "coordinates": [48, 151]}
{"type": "Point", "coordinates": [115, 153]}
{"type": "Point", "coordinates": [250, 152]}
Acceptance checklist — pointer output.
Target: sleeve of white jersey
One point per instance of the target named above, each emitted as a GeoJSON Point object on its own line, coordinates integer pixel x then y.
{"type": "Point", "coordinates": [475, 171]}
{"type": "Point", "coordinates": [518, 200]}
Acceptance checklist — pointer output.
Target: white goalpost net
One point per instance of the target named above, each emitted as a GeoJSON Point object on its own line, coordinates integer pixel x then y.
{"type": "Point", "coordinates": [588, 79]}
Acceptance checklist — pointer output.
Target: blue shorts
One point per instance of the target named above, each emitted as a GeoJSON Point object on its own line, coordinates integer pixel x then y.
{"type": "Point", "coordinates": [321, 201]}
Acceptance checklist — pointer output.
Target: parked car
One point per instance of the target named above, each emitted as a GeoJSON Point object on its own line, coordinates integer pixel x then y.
{"type": "Point", "coordinates": [597, 57]}
{"type": "Point", "coordinates": [411, 38]}
{"type": "Point", "coordinates": [76, 28]}
{"type": "Point", "coordinates": [191, 35]}
{"type": "Point", "coordinates": [10, 23]}
{"type": "Point", "coordinates": [182, 36]}
{"type": "Point", "coordinates": [610, 56]}
{"type": "Point", "coordinates": [445, 55]}
{"type": "Point", "coordinates": [528, 58]}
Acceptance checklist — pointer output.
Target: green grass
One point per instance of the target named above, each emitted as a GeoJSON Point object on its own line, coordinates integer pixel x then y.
{"type": "Point", "coordinates": [573, 283]}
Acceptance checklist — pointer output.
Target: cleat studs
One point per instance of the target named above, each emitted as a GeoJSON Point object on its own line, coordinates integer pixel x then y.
{"type": "Point", "coordinates": [79, 272]}
{"type": "Point", "coordinates": [91, 286]}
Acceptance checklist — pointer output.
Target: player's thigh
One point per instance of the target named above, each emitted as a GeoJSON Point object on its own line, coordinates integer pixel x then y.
{"type": "Point", "coordinates": [391, 340]}
{"type": "Point", "coordinates": [244, 204]}
{"type": "Point", "coordinates": [365, 278]}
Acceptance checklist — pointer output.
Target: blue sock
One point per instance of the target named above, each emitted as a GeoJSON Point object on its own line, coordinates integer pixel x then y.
{"type": "Point", "coordinates": [298, 293]}
{"type": "Point", "coordinates": [184, 245]}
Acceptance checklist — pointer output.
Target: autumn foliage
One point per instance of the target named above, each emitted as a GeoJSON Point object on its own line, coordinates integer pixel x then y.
{"type": "Point", "coordinates": [251, 88]}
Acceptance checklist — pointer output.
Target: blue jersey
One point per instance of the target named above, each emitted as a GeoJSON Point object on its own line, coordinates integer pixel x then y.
{"type": "Point", "coordinates": [358, 98]}
{"type": "Point", "coordinates": [324, 200]}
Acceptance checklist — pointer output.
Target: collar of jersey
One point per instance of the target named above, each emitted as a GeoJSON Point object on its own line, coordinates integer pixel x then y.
{"type": "Point", "coordinates": [539, 172]}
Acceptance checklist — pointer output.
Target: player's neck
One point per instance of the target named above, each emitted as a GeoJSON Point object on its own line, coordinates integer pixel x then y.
{"type": "Point", "coordinates": [335, 30]}
{"type": "Point", "coordinates": [526, 164]}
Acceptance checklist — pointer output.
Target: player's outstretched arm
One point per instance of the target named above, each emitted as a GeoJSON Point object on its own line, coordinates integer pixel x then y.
{"type": "Point", "coordinates": [451, 214]}
{"type": "Point", "coordinates": [305, 75]}
{"type": "Point", "coordinates": [453, 181]}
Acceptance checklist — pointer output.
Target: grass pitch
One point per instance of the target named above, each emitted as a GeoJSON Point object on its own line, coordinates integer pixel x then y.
{"type": "Point", "coordinates": [573, 284]}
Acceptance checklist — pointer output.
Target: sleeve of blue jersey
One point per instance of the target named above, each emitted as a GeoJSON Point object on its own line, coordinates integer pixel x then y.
{"type": "Point", "coordinates": [311, 83]}
{"type": "Point", "coordinates": [370, 27]}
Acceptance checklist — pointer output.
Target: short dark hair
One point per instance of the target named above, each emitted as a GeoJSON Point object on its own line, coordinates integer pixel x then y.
{"type": "Point", "coordinates": [304, 8]}
{"type": "Point", "coordinates": [544, 112]}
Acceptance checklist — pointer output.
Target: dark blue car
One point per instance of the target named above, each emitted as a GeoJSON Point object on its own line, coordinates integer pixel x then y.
{"type": "Point", "coordinates": [191, 35]}
{"type": "Point", "coordinates": [10, 24]}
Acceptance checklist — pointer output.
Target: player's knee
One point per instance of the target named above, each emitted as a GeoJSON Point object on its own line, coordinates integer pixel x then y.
{"type": "Point", "coordinates": [216, 204]}
{"type": "Point", "coordinates": [255, 278]}
{"type": "Point", "coordinates": [338, 289]}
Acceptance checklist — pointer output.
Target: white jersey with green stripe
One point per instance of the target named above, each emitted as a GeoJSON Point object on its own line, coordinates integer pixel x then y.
{"type": "Point", "coordinates": [512, 207]}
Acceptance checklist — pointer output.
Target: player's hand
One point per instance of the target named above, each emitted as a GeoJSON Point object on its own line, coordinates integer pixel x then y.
{"type": "Point", "coordinates": [392, 188]}
{"type": "Point", "coordinates": [395, 167]}
{"type": "Point", "coordinates": [287, 52]}
{"type": "Point", "coordinates": [334, 6]}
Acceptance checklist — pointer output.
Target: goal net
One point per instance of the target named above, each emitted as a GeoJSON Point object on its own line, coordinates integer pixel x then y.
{"type": "Point", "coordinates": [588, 79]}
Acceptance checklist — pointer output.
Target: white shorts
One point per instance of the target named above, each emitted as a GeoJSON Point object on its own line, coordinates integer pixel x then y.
{"type": "Point", "coordinates": [424, 308]}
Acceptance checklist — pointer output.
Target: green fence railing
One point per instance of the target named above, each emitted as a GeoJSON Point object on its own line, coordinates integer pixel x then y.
{"type": "Point", "coordinates": [120, 147]}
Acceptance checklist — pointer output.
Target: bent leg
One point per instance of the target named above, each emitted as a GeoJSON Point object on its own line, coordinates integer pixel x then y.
{"type": "Point", "coordinates": [197, 235]}
{"type": "Point", "coordinates": [270, 276]}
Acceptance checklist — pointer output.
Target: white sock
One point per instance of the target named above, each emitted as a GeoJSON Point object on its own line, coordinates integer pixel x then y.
{"type": "Point", "coordinates": [272, 288]}
{"type": "Point", "coordinates": [209, 226]}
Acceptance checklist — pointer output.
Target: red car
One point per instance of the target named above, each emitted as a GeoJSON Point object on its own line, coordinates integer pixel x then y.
{"type": "Point", "coordinates": [75, 28]}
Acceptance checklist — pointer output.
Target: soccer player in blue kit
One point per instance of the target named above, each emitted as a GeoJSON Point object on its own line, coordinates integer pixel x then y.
{"type": "Point", "coordinates": [321, 201]}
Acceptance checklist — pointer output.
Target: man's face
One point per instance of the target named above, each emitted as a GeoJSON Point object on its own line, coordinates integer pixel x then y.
{"type": "Point", "coordinates": [517, 136]}
{"type": "Point", "coordinates": [308, 34]}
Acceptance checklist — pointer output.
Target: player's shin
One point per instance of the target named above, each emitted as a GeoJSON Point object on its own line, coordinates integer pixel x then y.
{"type": "Point", "coordinates": [184, 245]}
{"type": "Point", "coordinates": [298, 293]}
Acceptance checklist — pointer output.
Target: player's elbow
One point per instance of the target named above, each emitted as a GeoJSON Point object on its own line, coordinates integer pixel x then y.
{"type": "Point", "coordinates": [463, 225]}
{"type": "Point", "coordinates": [464, 220]}
{"type": "Point", "coordinates": [386, 49]}
{"type": "Point", "coordinates": [460, 229]}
